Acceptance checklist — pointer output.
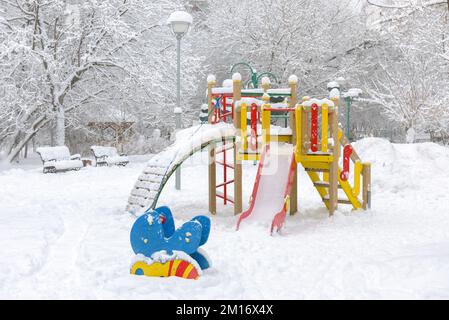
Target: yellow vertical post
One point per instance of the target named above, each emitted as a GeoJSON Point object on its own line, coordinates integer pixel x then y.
{"type": "Point", "coordinates": [324, 126]}
{"type": "Point", "coordinates": [298, 116]}
{"type": "Point", "coordinates": [325, 134]}
{"type": "Point", "coordinates": [244, 121]}
{"type": "Point", "coordinates": [366, 170]}
{"type": "Point", "coordinates": [237, 95]}
{"type": "Point", "coordinates": [266, 116]}
{"type": "Point", "coordinates": [211, 150]}
{"type": "Point", "coordinates": [293, 84]}
{"type": "Point", "coordinates": [305, 127]}
{"type": "Point", "coordinates": [357, 172]}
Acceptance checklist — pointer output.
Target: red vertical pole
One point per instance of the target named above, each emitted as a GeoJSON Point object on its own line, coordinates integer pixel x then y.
{"type": "Point", "coordinates": [232, 109]}
{"type": "Point", "coordinates": [219, 114]}
{"type": "Point", "coordinates": [224, 108]}
{"type": "Point", "coordinates": [314, 126]}
{"type": "Point", "coordinates": [254, 126]}
{"type": "Point", "coordinates": [347, 151]}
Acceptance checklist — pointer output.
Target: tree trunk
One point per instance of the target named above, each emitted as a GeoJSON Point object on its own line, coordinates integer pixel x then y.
{"type": "Point", "coordinates": [20, 143]}
{"type": "Point", "coordinates": [60, 126]}
{"type": "Point", "coordinates": [25, 152]}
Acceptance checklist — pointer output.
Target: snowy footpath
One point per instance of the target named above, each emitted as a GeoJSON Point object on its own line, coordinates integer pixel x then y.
{"type": "Point", "coordinates": [66, 235]}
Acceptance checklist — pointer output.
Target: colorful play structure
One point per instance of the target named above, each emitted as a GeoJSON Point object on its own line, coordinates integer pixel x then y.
{"type": "Point", "coordinates": [241, 126]}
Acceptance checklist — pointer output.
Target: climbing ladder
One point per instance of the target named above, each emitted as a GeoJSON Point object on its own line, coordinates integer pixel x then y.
{"type": "Point", "coordinates": [222, 188]}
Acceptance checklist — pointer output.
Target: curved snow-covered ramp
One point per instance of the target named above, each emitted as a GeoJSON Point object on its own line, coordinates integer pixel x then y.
{"type": "Point", "coordinates": [158, 170]}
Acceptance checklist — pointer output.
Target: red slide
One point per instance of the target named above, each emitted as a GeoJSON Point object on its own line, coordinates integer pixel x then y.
{"type": "Point", "coordinates": [273, 185]}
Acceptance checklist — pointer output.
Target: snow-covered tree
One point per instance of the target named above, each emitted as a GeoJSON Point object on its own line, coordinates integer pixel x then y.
{"type": "Point", "coordinates": [57, 56]}
{"type": "Point", "coordinates": [410, 71]}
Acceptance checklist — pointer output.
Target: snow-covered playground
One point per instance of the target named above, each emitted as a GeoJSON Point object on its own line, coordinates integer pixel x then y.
{"type": "Point", "coordinates": [66, 235]}
{"type": "Point", "coordinates": [224, 150]}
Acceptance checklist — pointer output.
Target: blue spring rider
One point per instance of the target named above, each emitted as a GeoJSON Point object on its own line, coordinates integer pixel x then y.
{"type": "Point", "coordinates": [164, 251]}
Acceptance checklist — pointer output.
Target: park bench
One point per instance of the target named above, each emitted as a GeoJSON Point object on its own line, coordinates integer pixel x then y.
{"type": "Point", "coordinates": [108, 156]}
{"type": "Point", "coordinates": [58, 159]}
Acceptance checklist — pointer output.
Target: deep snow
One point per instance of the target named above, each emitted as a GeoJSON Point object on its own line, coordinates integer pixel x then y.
{"type": "Point", "coordinates": [66, 235]}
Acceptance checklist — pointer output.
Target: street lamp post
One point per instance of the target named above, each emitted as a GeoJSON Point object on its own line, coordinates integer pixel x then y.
{"type": "Point", "coordinates": [334, 90]}
{"type": "Point", "coordinates": [179, 22]}
{"type": "Point", "coordinates": [349, 96]}
{"type": "Point", "coordinates": [348, 111]}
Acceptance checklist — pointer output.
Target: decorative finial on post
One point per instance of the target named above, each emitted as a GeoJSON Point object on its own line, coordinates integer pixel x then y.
{"type": "Point", "coordinates": [292, 79]}
{"type": "Point", "coordinates": [237, 77]}
{"type": "Point", "coordinates": [266, 83]}
{"type": "Point", "coordinates": [211, 79]}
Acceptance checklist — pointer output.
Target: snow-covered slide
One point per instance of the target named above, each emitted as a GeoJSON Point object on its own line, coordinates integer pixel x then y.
{"type": "Point", "coordinates": [158, 170]}
{"type": "Point", "coordinates": [272, 186]}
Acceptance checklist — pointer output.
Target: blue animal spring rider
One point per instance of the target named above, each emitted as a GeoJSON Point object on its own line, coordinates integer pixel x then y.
{"type": "Point", "coordinates": [163, 251]}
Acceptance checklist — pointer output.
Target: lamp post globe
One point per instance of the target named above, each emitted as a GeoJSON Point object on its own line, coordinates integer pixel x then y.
{"type": "Point", "coordinates": [180, 22]}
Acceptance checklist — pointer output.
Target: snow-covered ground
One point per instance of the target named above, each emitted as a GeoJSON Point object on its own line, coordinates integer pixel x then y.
{"type": "Point", "coordinates": [66, 235]}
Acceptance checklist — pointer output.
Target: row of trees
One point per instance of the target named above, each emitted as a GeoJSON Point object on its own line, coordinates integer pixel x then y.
{"type": "Point", "coordinates": [64, 63]}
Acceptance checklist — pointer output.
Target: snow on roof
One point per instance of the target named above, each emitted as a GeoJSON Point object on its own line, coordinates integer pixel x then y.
{"type": "Point", "coordinates": [280, 91]}
{"type": "Point", "coordinates": [227, 83]}
{"type": "Point", "coordinates": [180, 16]}
{"type": "Point", "coordinates": [249, 101]}
{"type": "Point", "coordinates": [352, 93]}
{"type": "Point", "coordinates": [319, 102]}
{"type": "Point", "coordinates": [333, 84]}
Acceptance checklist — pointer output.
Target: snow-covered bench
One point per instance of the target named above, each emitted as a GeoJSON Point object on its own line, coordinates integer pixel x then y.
{"type": "Point", "coordinates": [56, 159]}
{"type": "Point", "coordinates": [108, 156]}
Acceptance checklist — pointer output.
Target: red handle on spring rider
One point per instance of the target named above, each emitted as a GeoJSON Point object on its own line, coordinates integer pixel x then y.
{"type": "Point", "coordinates": [253, 126]}
{"type": "Point", "coordinates": [347, 151]}
{"type": "Point", "coordinates": [314, 133]}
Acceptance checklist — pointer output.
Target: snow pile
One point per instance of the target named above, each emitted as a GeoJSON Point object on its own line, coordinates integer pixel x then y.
{"type": "Point", "coordinates": [101, 151]}
{"type": "Point", "coordinates": [333, 84]}
{"type": "Point", "coordinates": [249, 101]}
{"type": "Point", "coordinates": [64, 164]}
{"type": "Point", "coordinates": [352, 93]}
{"type": "Point", "coordinates": [191, 139]}
{"type": "Point", "coordinates": [318, 102]}
{"type": "Point", "coordinates": [227, 83]}
{"type": "Point", "coordinates": [116, 160]}
{"type": "Point", "coordinates": [54, 153]}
